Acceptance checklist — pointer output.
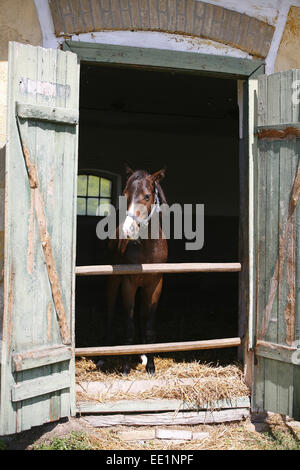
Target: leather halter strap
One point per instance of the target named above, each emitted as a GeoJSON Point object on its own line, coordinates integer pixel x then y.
{"type": "Point", "coordinates": [155, 208]}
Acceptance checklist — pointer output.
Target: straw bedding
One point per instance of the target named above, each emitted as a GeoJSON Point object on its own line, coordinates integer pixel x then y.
{"type": "Point", "coordinates": [208, 382]}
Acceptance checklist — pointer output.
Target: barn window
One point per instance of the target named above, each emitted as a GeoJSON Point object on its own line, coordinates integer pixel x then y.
{"type": "Point", "coordinates": [94, 194]}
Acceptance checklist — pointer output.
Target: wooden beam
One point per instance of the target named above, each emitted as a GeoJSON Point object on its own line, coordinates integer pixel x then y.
{"type": "Point", "coordinates": [47, 113]}
{"type": "Point", "coordinates": [158, 347]}
{"type": "Point", "coordinates": [150, 405]}
{"type": "Point", "coordinates": [206, 64]}
{"type": "Point", "coordinates": [156, 268]}
{"type": "Point", "coordinates": [41, 357]}
{"type": "Point", "coordinates": [169, 418]}
{"type": "Point", "coordinates": [41, 386]}
{"type": "Point", "coordinates": [278, 352]}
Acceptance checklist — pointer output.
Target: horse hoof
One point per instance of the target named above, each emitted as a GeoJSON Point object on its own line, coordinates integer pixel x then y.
{"type": "Point", "coordinates": [125, 370]}
{"type": "Point", "coordinates": [150, 370]}
{"type": "Point", "coordinates": [100, 364]}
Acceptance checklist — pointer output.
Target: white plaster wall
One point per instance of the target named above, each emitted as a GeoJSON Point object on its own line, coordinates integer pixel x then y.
{"type": "Point", "coordinates": [273, 11]}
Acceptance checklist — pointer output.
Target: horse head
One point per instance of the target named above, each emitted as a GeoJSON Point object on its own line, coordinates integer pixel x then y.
{"type": "Point", "coordinates": [144, 197]}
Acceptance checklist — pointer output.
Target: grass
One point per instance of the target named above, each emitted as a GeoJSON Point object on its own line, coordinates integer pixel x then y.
{"type": "Point", "coordinates": [278, 440]}
{"type": "Point", "coordinates": [230, 436]}
{"type": "Point", "coordinates": [2, 445]}
{"type": "Point", "coordinates": [73, 441]}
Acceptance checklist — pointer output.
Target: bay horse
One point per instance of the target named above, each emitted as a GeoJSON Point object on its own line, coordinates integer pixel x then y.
{"type": "Point", "coordinates": [144, 196]}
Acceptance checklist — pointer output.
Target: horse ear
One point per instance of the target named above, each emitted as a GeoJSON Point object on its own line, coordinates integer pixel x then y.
{"type": "Point", "coordinates": [128, 170]}
{"type": "Point", "coordinates": [159, 175]}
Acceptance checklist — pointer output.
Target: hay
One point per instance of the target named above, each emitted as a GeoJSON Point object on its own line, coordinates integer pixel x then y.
{"type": "Point", "coordinates": [221, 437]}
{"type": "Point", "coordinates": [208, 382]}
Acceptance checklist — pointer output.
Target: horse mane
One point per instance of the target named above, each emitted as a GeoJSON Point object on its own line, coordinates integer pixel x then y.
{"type": "Point", "coordinates": [161, 194]}
{"type": "Point", "coordinates": [137, 175]}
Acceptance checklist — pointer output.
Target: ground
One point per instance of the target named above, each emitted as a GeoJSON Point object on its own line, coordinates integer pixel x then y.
{"type": "Point", "coordinates": [273, 433]}
{"type": "Point", "coordinates": [208, 383]}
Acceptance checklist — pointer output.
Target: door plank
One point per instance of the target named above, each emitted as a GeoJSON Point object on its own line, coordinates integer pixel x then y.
{"type": "Point", "coordinates": [51, 154]}
{"type": "Point", "coordinates": [41, 357]}
{"type": "Point", "coordinates": [277, 203]}
{"type": "Point", "coordinates": [41, 386]}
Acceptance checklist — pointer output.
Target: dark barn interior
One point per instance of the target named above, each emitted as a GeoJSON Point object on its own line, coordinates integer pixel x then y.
{"type": "Point", "coordinates": [188, 122]}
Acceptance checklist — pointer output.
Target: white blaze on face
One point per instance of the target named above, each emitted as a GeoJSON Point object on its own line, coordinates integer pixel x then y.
{"type": "Point", "coordinates": [130, 227]}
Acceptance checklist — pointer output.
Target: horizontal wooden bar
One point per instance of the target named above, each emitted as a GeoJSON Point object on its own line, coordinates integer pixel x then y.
{"type": "Point", "coordinates": [275, 346]}
{"type": "Point", "coordinates": [47, 113]}
{"type": "Point", "coordinates": [229, 67]}
{"type": "Point", "coordinates": [41, 357]}
{"type": "Point", "coordinates": [169, 418]}
{"type": "Point", "coordinates": [40, 386]}
{"type": "Point", "coordinates": [278, 352]}
{"type": "Point", "coordinates": [152, 268]}
{"type": "Point", "coordinates": [144, 406]}
{"type": "Point", "coordinates": [158, 347]}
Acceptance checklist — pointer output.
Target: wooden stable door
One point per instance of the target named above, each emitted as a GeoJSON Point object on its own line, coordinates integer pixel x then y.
{"type": "Point", "coordinates": [276, 242]}
{"type": "Point", "coordinates": [37, 361]}
{"type": "Point", "coordinates": [37, 364]}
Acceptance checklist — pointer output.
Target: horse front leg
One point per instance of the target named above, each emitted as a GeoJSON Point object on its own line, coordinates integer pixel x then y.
{"type": "Point", "coordinates": [112, 288]}
{"type": "Point", "coordinates": [150, 297]}
{"type": "Point", "coordinates": [128, 294]}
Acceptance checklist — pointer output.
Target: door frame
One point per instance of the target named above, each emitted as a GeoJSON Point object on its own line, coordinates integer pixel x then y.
{"type": "Point", "coordinates": [206, 64]}
{"type": "Point", "coordinates": [245, 70]}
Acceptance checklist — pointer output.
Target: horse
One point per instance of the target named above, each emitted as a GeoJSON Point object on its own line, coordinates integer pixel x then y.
{"type": "Point", "coordinates": [144, 196]}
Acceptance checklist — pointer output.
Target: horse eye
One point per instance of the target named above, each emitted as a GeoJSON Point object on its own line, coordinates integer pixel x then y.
{"type": "Point", "coordinates": [147, 197]}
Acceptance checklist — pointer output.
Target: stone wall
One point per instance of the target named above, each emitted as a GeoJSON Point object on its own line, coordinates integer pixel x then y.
{"type": "Point", "coordinates": [288, 56]}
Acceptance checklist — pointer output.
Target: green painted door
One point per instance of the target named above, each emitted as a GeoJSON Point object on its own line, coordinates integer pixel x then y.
{"type": "Point", "coordinates": [276, 243]}
{"type": "Point", "coordinates": [37, 364]}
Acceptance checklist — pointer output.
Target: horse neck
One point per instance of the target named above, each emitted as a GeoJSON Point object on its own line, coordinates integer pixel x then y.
{"type": "Point", "coordinates": [144, 245]}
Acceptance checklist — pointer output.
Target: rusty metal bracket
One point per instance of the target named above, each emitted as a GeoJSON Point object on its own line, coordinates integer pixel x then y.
{"type": "Point", "coordinates": [278, 131]}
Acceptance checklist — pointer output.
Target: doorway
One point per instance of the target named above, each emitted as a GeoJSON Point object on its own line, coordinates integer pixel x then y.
{"type": "Point", "coordinates": [189, 123]}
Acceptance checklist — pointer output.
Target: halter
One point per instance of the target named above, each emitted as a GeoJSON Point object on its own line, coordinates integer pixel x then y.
{"type": "Point", "coordinates": [155, 208]}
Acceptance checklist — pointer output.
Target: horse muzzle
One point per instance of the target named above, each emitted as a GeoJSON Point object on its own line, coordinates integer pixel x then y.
{"type": "Point", "coordinates": [130, 229]}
